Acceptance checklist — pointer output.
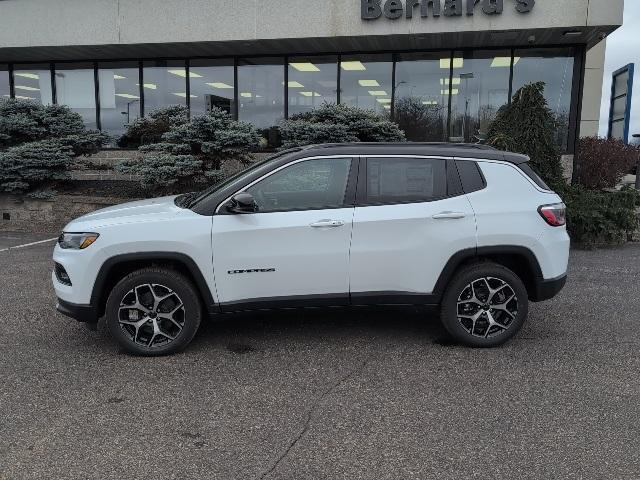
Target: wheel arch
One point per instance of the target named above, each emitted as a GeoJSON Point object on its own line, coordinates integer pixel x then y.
{"type": "Point", "coordinates": [521, 260]}
{"type": "Point", "coordinates": [117, 267]}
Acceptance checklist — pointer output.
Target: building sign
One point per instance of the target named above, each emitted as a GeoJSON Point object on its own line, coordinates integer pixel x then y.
{"type": "Point", "coordinates": [620, 107]}
{"type": "Point", "coordinates": [394, 9]}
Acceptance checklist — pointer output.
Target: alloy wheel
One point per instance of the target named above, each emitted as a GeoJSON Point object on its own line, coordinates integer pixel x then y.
{"type": "Point", "coordinates": [487, 307]}
{"type": "Point", "coordinates": [151, 315]}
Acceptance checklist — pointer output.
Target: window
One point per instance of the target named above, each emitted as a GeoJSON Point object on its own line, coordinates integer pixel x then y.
{"type": "Point", "coordinates": [164, 83]}
{"type": "Point", "coordinates": [4, 82]}
{"type": "Point", "coordinates": [312, 82]}
{"type": "Point", "coordinates": [422, 96]}
{"type": "Point", "coordinates": [311, 184]}
{"type": "Point", "coordinates": [33, 82]}
{"type": "Point", "coordinates": [75, 87]}
{"type": "Point", "coordinates": [480, 86]}
{"type": "Point", "coordinates": [261, 91]}
{"type": "Point", "coordinates": [119, 96]}
{"type": "Point", "coordinates": [405, 180]}
{"type": "Point", "coordinates": [211, 85]}
{"type": "Point", "coordinates": [365, 81]}
{"type": "Point", "coordinates": [554, 67]}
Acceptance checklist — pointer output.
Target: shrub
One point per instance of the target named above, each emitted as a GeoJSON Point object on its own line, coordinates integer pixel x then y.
{"type": "Point", "coordinates": [599, 217]}
{"type": "Point", "coordinates": [527, 126]}
{"type": "Point", "coordinates": [39, 144]}
{"type": "Point", "coordinates": [603, 162]}
{"type": "Point", "coordinates": [193, 153]}
{"type": "Point", "coordinates": [150, 129]}
{"type": "Point", "coordinates": [338, 123]}
{"type": "Point", "coordinates": [420, 122]}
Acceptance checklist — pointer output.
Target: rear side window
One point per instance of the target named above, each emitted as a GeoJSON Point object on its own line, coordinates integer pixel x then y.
{"type": "Point", "coordinates": [533, 175]}
{"type": "Point", "coordinates": [470, 175]}
{"type": "Point", "coordinates": [405, 180]}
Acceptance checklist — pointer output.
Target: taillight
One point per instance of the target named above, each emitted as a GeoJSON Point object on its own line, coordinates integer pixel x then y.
{"type": "Point", "coordinates": [555, 215]}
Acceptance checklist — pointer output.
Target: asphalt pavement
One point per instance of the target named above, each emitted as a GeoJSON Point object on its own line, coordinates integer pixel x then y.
{"type": "Point", "coordinates": [331, 394]}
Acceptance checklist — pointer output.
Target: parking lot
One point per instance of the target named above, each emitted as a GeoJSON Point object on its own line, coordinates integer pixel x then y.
{"type": "Point", "coordinates": [325, 394]}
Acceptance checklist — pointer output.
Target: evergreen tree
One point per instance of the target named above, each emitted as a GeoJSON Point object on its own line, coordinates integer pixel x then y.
{"type": "Point", "coordinates": [527, 126]}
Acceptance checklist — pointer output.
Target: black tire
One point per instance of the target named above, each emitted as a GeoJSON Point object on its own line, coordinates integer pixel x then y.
{"type": "Point", "coordinates": [169, 327]}
{"type": "Point", "coordinates": [507, 319]}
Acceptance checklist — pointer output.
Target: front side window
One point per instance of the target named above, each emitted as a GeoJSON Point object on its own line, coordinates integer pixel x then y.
{"type": "Point", "coordinates": [405, 180]}
{"type": "Point", "coordinates": [307, 185]}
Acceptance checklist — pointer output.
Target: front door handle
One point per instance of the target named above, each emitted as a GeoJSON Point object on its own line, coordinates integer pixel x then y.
{"type": "Point", "coordinates": [327, 224]}
{"type": "Point", "coordinates": [448, 216]}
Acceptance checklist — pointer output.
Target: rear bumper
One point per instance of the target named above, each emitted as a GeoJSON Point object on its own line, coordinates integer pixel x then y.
{"type": "Point", "coordinates": [547, 289]}
{"type": "Point", "coordinates": [82, 313]}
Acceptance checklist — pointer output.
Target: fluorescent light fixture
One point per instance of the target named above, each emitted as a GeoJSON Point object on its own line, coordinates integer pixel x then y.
{"type": "Point", "coordinates": [246, 94]}
{"type": "Point", "coordinates": [353, 65]}
{"type": "Point", "coordinates": [219, 85]}
{"type": "Point", "coordinates": [368, 83]}
{"type": "Point", "coordinates": [454, 91]}
{"type": "Point", "coordinates": [182, 73]}
{"type": "Point", "coordinates": [28, 89]}
{"type": "Point", "coordinates": [33, 76]}
{"type": "Point", "coordinates": [294, 84]}
{"type": "Point", "coordinates": [127, 95]}
{"type": "Point", "coordinates": [445, 81]}
{"type": "Point", "coordinates": [118, 77]}
{"type": "Point", "coordinates": [378, 93]}
{"type": "Point", "coordinates": [304, 66]}
{"type": "Point", "coordinates": [384, 100]}
{"type": "Point", "coordinates": [446, 63]}
{"type": "Point", "coordinates": [504, 61]}
{"type": "Point", "coordinates": [183, 95]}
{"type": "Point", "coordinates": [388, 107]}
{"type": "Point", "coordinates": [430, 102]}
{"type": "Point", "coordinates": [150, 86]}
{"type": "Point", "coordinates": [310, 94]}
{"type": "Point", "coordinates": [20, 97]}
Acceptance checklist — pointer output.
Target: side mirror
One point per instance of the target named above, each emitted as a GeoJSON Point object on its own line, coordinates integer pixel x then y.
{"type": "Point", "coordinates": [242, 203]}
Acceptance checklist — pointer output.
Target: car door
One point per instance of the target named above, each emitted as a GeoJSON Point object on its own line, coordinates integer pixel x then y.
{"type": "Point", "coordinates": [408, 222]}
{"type": "Point", "coordinates": [295, 248]}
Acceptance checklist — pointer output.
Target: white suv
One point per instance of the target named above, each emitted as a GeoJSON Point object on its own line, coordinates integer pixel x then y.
{"type": "Point", "coordinates": [466, 228]}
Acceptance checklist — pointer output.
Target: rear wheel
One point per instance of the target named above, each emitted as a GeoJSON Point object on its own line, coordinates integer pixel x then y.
{"type": "Point", "coordinates": [153, 311]}
{"type": "Point", "coordinates": [485, 305]}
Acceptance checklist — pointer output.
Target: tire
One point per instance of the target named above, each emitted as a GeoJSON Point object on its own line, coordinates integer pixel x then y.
{"type": "Point", "coordinates": [153, 311]}
{"type": "Point", "coordinates": [484, 305]}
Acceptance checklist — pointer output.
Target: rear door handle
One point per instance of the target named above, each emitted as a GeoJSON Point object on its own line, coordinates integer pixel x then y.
{"type": "Point", "coordinates": [327, 224]}
{"type": "Point", "coordinates": [448, 216]}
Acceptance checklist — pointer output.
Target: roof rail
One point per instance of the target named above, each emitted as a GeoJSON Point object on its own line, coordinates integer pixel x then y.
{"type": "Point", "coordinates": [401, 144]}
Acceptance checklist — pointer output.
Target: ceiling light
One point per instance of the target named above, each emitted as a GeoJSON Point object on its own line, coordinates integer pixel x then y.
{"type": "Point", "coordinates": [181, 72]}
{"type": "Point", "coordinates": [150, 86]}
{"type": "Point", "coordinates": [378, 93]}
{"type": "Point", "coordinates": [384, 100]}
{"type": "Point", "coordinates": [310, 94]}
{"type": "Point", "coordinates": [353, 65]}
{"type": "Point", "coordinates": [29, 89]}
{"type": "Point", "coordinates": [20, 97]}
{"type": "Point", "coordinates": [368, 83]}
{"type": "Point", "coordinates": [184, 95]}
{"type": "Point", "coordinates": [454, 91]}
{"type": "Point", "coordinates": [294, 84]}
{"type": "Point", "coordinates": [446, 63]}
{"type": "Point", "coordinates": [304, 66]}
{"type": "Point", "coordinates": [118, 77]}
{"type": "Point", "coordinates": [127, 95]}
{"type": "Point", "coordinates": [219, 85]}
{"type": "Point", "coordinates": [246, 94]}
{"type": "Point", "coordinates": [430, 102]}
{"type": "Point", "coordinates": [445, 81]}
{"type": "Point", "coordinates": [388, 107]}
{"type": "Point", "coordinates": [501, 62]}
{"type": "Point", "coordinates": [33, 76]}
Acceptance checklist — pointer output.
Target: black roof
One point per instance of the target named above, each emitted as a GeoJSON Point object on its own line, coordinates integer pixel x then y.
{"type": "Point", "coordinates": [461, 150]}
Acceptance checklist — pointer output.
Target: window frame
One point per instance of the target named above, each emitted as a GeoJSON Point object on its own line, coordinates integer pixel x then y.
{"type": "Point", "coordinates": [350, 192]}
{"type": "Point", "coordinates": [452, 181]}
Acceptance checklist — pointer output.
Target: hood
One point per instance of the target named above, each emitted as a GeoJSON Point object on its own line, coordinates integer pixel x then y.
{"type": "Point", "coordinates": [133, 212]}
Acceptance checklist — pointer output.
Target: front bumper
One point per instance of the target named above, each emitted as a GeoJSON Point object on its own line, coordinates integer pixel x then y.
{"type": "Point", "coordinates": [547, 289]}
{"type": "Point", "coordinates": [82, 313]}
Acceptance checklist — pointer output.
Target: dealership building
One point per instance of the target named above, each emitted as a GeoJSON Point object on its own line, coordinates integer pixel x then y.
{"type": "Point", "coordinates": [441, 68]}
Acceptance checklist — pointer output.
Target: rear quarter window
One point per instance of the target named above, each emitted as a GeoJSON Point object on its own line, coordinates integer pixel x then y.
{"type": "Point", "coordinates": [533, 175]}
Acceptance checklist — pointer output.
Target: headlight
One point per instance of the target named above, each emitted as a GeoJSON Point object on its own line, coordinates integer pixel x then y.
{"type": "Point", "coordinates": [77, 241]}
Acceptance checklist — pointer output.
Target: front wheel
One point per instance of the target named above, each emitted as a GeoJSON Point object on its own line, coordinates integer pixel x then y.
{"type": "Point", "coordinates": [153, 311]}
{"type": "Point", "coordinates": [485, 305]}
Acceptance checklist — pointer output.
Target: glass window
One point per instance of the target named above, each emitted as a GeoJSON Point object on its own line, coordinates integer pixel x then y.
{"type": "Point", "coordinates": [422, 96]}
{"type": "Point", "coordinates": [119, 96]}
{"type": "Point", "coordinates": [212, 85]}
{"type": "Point", "coordinates": [312, 81]}
{"type": "Point", "coordinates": [261, 91]}
{"type": "Point", "coordinates": [164, 83]}
{"type": "Point", "coordinates": [554, 67]}
{"type": "Point", "coordinates": [365, 81]}
{"type": "Point", "coordinates": [480, 86]}
{"type": "Point", "coordinates": [312, 184]}
{"type": "Point", "coordinates": [405, 180]}
{"type": "Point", "coordinates": [33, 82]}
{"type": "Point", "coordinates": [4, 81]}
{"type": "Point", "coordinates": [75, 87]}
